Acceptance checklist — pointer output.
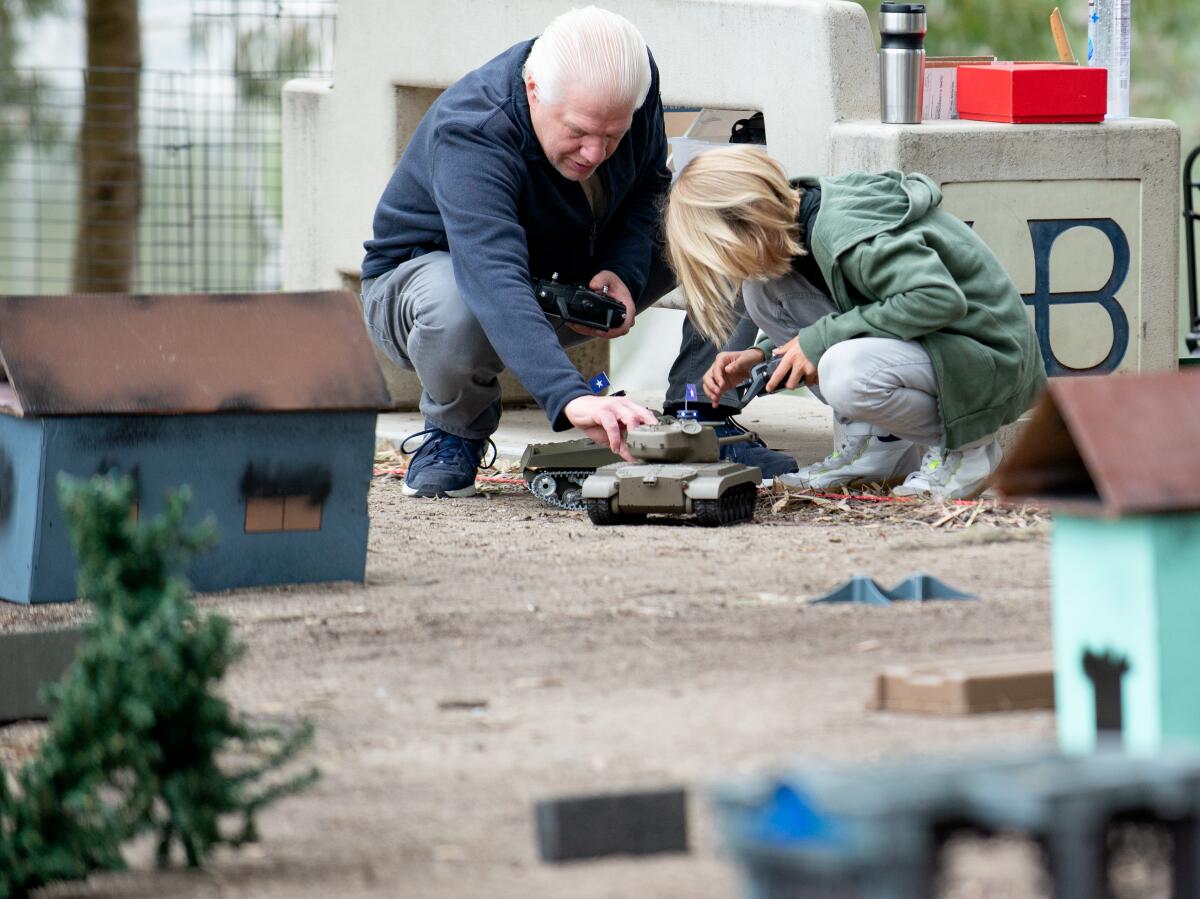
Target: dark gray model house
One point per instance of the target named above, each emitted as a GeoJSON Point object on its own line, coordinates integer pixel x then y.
{"type": "Point", "coordinates": [264, 404]}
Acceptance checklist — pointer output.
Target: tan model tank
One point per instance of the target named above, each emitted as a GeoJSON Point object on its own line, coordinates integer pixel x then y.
{"type": "Point", "coordinates": [679, 472]}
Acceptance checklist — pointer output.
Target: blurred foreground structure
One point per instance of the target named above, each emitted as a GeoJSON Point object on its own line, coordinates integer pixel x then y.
{"type": "Point", "coordinates": [814, 831]}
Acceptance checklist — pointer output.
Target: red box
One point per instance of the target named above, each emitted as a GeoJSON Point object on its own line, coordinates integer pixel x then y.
{"type": "Point", "coordinates": [1032, 92]}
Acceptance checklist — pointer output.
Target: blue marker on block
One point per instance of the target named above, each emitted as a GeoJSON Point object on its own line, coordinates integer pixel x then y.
{"type": "Point", "coordinates": [599, 383]}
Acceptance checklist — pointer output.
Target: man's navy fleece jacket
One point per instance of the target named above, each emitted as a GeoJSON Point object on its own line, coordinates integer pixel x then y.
{"type": "Point", "coordinates": [474, 181]}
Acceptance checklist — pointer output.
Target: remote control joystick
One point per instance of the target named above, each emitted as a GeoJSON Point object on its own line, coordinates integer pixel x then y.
{"type": "Point", "coordinates": [578, 304]}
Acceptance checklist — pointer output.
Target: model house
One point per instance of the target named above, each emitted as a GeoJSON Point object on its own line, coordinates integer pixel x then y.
{"type": "Point", "coordinates": [264, 404]}
{"type": "Point", "coordinates": [1117, 458]}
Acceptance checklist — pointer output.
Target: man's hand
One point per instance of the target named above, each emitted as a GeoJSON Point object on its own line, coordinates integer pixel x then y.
{"type": "Point", "coordinates": [794, 370]}
{"type": "Point", "coordinates": [618, 291]}
{"type": "Point", "coordinates": [606, 419]}
{"type": "Point", "coordinates": [728, 370]}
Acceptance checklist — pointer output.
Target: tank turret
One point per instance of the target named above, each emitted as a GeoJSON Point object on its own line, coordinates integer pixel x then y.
{"type": "Point", "coordinates": [674, 441]}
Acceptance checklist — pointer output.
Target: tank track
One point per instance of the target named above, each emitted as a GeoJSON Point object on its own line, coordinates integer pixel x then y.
{"type": "Point", "coordinates": [600, 511]}
{"type": "Point", "coordinates": [736, 505]}
{"type": "Point", "coordinates": [570, 476]}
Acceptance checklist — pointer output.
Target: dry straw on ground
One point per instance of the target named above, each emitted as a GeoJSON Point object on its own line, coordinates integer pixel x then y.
{"type": "Point", "coordinates": [876, 504]}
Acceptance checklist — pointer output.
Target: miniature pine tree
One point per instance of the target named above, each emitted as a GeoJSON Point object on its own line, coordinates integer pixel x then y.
{"type": "Point", "coordinates": [139, 740]}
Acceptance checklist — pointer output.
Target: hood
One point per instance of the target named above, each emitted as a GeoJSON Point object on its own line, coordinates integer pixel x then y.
{"type": "Point", "coordinates": [859, 206]}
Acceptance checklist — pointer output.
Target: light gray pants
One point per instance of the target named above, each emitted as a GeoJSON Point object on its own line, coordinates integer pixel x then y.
{"type": "Point", "coordinates": [874, 385]}
{"type": "Point", "coordinates": [419, 319]}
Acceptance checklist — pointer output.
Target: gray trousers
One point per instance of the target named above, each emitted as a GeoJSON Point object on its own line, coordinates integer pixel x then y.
{"type": "Point", "coordinates": [419, 319]}
{"type": "Point", "coordinates": [874, 385]}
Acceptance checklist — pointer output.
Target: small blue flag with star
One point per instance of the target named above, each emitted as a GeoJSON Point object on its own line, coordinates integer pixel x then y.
{"type": "Point", "coordinates": [599, 383]}
{"type": "Point", "coordinates": [690, 393]}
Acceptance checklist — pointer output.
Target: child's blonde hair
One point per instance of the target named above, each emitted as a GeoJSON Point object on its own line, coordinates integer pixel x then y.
{"type": "Point", "coordinates": [730, 216]}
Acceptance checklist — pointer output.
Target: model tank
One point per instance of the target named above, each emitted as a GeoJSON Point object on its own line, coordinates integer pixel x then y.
{"type": "Point", "coordinates": [555, 472]}
{"type": "Point", "coordinates": [679, 472]}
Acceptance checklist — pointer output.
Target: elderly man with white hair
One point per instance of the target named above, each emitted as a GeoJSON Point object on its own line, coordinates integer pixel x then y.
{"type": "Point", "coordinates": [550, 158]}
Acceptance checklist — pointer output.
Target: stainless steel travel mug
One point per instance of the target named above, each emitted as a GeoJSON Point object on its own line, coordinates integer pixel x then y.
{"type": "Point", "coordinates": [901, 62]}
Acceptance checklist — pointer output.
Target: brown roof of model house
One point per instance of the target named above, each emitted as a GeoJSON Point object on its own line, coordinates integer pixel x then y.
{"type": "Point", "coordinates": [88, 354]}
{"type": "Point", "coordinates": [1114, 445]}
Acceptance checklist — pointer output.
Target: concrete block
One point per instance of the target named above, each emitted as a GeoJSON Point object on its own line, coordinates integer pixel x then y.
{"type": "Point", "coordinates": [1083, 217]}
{"type": "Point", "coordinates": [969, 686]}
{"type": "Point", "coordinates": [581, 827]}
{"type": "Point", "coordinates": [27, 662]}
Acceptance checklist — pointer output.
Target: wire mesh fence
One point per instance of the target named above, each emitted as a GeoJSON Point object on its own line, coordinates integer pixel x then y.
{"type": "Point", "coordinates": [158, 181]}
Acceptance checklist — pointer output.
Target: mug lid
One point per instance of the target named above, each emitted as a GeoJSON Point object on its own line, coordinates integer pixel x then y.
{"type": "Point", "coordinates": [902, 7]}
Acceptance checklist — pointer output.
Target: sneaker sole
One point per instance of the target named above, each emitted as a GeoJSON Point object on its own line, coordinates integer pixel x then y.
{"type": "Point", "coordinates": [965, 494]}
{"type": "Point", "coordinates": [858, 482]}
{"type": "Point", "coordinates": [431, 493]}
{"type": "Point", "coordinates": [972, 493]}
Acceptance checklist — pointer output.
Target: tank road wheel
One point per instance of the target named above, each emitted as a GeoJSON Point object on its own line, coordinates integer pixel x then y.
{"type": "Point", "coordinates": [561, 488]}
{"type": "Point", "coordinates": [543, 485]}
{"type": "Point", "coordinates": [748, 500]}
{"type": "Point", "coordinates": [737, 504]}
{"type": "Point", "coordinates": [600, 511]}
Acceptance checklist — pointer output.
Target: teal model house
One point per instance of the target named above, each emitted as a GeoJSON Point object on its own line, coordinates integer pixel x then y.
{"type": "Point", "coordinates": [264, 404]}
{"type": "Point", "coordinates": [1119, 460]}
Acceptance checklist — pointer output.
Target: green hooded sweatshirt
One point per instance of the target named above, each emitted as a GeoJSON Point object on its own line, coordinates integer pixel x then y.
{"type": "Point", "coordinates": [899, 266]}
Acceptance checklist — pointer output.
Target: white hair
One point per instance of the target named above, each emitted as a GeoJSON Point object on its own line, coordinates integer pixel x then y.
{"type": "Point", "coordinates": [594, 50]}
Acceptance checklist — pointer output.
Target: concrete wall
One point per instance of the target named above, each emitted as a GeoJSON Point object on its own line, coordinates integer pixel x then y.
{"type": "Point", "coordinates": [1084, 217]}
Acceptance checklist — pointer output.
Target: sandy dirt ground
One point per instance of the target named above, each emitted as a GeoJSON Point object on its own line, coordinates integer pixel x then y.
{"type": "Point", "coordinates": [501, 652]}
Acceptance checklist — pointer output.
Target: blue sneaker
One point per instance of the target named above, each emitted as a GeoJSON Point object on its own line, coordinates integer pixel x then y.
{"type": "Point", "coordinates": [444, 464]}
{"type": "Point", "coordinates": [754, 452]}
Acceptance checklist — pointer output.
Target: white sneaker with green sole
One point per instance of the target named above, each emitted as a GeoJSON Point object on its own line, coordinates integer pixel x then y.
{"type": "Point", "coordinates": [859, 459]}
{"type": "Point", "coordinates": [952, 474]}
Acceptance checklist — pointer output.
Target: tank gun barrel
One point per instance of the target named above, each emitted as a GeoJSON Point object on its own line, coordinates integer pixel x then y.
{"type": "Point", "coordinates": [735, 438]}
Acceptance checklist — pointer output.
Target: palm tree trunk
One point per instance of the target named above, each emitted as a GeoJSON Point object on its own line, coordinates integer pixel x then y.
{"type": "Point", "coordinates": [110, 167]}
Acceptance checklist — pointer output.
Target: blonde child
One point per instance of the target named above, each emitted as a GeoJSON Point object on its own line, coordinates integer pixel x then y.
{"type": "Point", "coordinates": [890, 309]}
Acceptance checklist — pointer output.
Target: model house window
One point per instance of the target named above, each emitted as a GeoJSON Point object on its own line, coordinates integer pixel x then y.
{"type": "Point", "coordinates": [268, 514]}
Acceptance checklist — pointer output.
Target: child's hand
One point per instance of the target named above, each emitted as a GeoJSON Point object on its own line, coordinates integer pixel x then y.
{"type": "Point", "coordinates": [728, 370]}
{"type": "Point", "coordinates": [794, 370]}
